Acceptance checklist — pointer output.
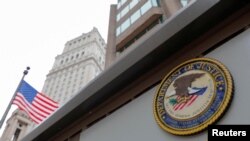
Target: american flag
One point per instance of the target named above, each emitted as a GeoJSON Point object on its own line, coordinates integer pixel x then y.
{"type": "Point", "coordinates": [35, 104]}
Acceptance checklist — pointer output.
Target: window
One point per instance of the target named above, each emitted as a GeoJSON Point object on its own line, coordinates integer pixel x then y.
{"type": "Point", "coordinates": [133, 3]}
{"type": "Point", "coordinates": [118, 31]}
{"type": "Point", "coordinates": [118, 16]}
{"type": "Point", "coordinates": [118, 5]}
{"type": "Point", "coordinates": [155, 3]}
{"type": "Point", "coordinates": [146, 7]}
{"type": "Point", "coordinates": [135, 16]}
{"type": "Point", "coordinates": [125, 25]}
{"type": "Point", "coordinates": [184, 2]}
{"type": "Point", "coordinates": [157, 21]}
{"type": "Point", "coordinates": [124, 11]}
{"type": "Point", "coordinates": [16, 134]}
{"type": "Point", "coordinates": [123, 1]}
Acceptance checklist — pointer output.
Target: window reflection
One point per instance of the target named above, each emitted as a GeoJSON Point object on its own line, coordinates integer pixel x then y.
{"type": "Point", "coordinates": [133, 3]}
{"type": "Point", "coordinates": [120, 3]}
{"type": "Point", "coordinates": [155, 3]}
{"type": "Point", "coordinates": [184, 2]}
{"type": "Point", "coordinates": [118, 31]}
{"type": "Point", "coordinates": [146, 7]}
{"type": "Point", "coordinates": [136, 15]}
{"type": "Point", "coordinates": [125, 25]}
{"type": "Point", "coordinates": [118, 17]}
{"type": "Point", "coordinates": [124, 11]}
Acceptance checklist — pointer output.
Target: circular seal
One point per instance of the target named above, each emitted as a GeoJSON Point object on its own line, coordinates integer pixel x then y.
{"type": "Point", "coordinates": [192, 96]}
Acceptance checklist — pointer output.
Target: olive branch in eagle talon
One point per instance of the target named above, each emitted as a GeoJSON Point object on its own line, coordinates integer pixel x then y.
{"type": "Point", "coordinates": [173, 101]}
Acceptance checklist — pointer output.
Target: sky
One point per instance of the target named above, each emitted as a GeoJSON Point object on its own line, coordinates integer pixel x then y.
{"type": "Point", "coordinates": [33, 33]}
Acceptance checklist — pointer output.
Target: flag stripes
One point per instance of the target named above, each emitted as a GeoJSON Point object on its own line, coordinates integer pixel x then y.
{"type": "Point", "coordinates": [180, 106]}
{"type": "Point", "coordinates": [33, 113]}
{"type": "Point", "coordinates": [35, 104]}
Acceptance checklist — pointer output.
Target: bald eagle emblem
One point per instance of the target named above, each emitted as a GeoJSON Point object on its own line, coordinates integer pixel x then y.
{"type": "Point", "coordinates": [184, 94]}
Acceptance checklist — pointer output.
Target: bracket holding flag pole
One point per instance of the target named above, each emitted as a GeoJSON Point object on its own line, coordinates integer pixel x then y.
{"type": "Point", "coordinates": [25, 72]}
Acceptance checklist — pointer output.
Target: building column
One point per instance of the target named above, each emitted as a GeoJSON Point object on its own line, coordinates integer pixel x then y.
{"type": "Point", "coordinates": [111, 43]}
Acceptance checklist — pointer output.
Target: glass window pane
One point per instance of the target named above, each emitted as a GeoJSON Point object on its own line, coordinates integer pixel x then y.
{"type": "Point", "coordinates": [118, 5]}
{"type": "Point", "coordinates": [146, 7]}
{"type": "Point", "coordinates": [155, 3]}
{"type": "Point", "coordinates": [125, 25]}
{"type": "Point", "coordinates": [135, 16]}
{"type": "Point", "coordinates": [184, 2]}
{"type": "Point", "coordinates": [124, 11]}
{"type": "Point", "coordinates": [133, 3]}
{"type": "Point", "coordinates": [123, 1]}
{"type": "Point", "coordinates": [118, 17]}
{"type": "Point", "coordinates": [118, 31]}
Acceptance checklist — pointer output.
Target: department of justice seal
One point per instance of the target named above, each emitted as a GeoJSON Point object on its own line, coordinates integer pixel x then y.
{"type": "Point", "coordinates": [192, 96]}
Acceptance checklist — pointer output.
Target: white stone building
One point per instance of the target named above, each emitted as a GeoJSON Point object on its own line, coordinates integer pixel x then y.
{"type": "Point", "coordinates": [82, 59]}
{"type": "Point", "coordinates": [16, 126]}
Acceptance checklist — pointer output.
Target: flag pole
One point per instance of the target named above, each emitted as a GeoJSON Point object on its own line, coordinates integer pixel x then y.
{"type": "Point", "coordinates": [25, 72]}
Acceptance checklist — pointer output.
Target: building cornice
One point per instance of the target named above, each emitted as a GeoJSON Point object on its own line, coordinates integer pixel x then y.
{"type": "Point", "coordinates": [89, 58]}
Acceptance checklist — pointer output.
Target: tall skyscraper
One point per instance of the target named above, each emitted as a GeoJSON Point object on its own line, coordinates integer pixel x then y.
{"type": "Point", "coordinates": [82, 59]}
{"type": "Point", "coordinates": [131, 20]}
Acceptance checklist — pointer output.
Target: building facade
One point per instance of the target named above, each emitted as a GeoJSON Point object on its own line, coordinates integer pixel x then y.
{"type": "Point", "coordinates": [131, 20]}
{"type": "Point", "coordinates": [82, 59]}
{"type": "Point", "coordinates": [16, 126]}
{"type": "Point", "coordinates": [120, 103]}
